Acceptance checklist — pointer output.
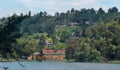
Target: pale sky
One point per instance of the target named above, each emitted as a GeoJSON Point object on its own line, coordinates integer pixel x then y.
{"type": "Point", "coordinates": [8, 7]}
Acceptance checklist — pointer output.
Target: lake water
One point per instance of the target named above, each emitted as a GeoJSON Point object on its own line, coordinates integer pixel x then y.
{"type": "Point", "coordinates": [59, 66]}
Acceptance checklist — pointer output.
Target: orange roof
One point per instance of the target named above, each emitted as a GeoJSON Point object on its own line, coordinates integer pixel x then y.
{"type": "Point", "coordinates": [53, 51]}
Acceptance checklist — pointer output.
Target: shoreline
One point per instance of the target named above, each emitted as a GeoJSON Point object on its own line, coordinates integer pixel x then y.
{"type": "Point", "coordinates": [24, 60]}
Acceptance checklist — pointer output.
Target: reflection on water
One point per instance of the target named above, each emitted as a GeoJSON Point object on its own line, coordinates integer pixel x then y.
{"type": "Point", "coordinates": [58, 66]}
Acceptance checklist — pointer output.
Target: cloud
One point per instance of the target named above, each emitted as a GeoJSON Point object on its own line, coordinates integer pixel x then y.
{"type": "Point", "coordinates": [52, 6]}
{"type": "Point", "coordinates": [81, 2]}
{"type": "Point", "coordinates": [55, 3]}
{"type": "Point", "coordinates": [8, 7]}
{"type": "Point", "coordinates": [37, 3]}
{"type": "Point", "coordinates": [11, 11]}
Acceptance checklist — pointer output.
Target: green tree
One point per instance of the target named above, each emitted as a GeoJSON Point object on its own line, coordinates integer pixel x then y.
{"type": "Point", "coordinates": [113, 10]}
{"type": "Point", "coordinates": [100, 11]}
{"type": "Point", "coordinates": [9, 32]}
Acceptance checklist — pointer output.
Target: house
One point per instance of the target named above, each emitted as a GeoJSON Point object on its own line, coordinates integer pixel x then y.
{"type": "Point", "coordinates": [49, 42]}
{"type": "Point", "coordinates": [87, 22]}
{"type": "Point", "coordinates": [48, 54]}
{"type": "Point", "coordinates": [73, 24]}
{"type": "Point", "coordinates": [53, 54]}
{"type": "Point", "coordinates": [34, 56]}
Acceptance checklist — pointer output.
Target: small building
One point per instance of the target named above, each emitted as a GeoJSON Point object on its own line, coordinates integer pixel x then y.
{"type": "Point", "coordinates": [35, 56]}
{"type": "Point", "coordinates": [53, 54]}
{"type": "Point", "coordinates": [73, 24]}
{"type": "Point", "coordinates": [49, 42]}
{"type": "Point", "coordinates": [87, 22]}
{"type": "Point", "coordinates": [48, 54]}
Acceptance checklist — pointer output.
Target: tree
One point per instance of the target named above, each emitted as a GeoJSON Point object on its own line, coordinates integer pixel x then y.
{"type": "Point", "coordinates": [113, 10]}
{"type": "Point", "coordinates": [94, 56]}
{"type": "Point", "coordinates": [72, 10]}
{"type": "Point", "coordinates": [100, 11]}
{"type": "Point", "coordinates": [71, 48]}
{"type": "Point", "coordinates": [29, 14]}
{"type": "Point", "coordinates": [92, 11]}
{"type": "Point", "coordinates": [9, 32]}
{"type": "Point", "coordinates": [63, 33]}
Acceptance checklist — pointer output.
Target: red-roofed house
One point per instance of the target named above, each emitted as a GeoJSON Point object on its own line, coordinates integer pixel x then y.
{"type": "Point", "coordinates": [48, 55]}
{"type": "Point", "coordinates": [54, 54]}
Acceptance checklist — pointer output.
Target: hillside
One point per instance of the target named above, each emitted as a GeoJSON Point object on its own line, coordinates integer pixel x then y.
{"type": "Point", "coordinates": [86, 34]}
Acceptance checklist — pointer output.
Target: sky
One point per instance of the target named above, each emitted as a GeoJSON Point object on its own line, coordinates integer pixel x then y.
{"type": "Point", "coordinates": [8, 7]}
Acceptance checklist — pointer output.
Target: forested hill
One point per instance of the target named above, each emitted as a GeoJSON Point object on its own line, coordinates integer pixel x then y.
{"type": "Point", "coordinates": [42, 22]}
{"type": "Point", "coordinates": [86, 34]}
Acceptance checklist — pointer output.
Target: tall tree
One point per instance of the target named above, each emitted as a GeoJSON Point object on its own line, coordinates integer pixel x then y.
{"type": "Point", "coordinates": [9, 32]}
{"type": "Point", "coordinates": [113, 10]}
{"type": "Point", "coordinates": [100, 11]}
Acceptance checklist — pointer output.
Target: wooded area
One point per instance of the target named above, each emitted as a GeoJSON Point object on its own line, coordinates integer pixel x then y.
{"type": "Point", "coordinates": [86, 35]}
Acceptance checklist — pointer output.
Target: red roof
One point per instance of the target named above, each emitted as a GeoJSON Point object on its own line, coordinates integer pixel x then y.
{"type": "Point", "coordinates": [53, 51]}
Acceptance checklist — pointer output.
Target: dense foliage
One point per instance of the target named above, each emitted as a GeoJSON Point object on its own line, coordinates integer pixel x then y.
{"type": "Point", "coordinates": [86, 34]}
{"type": "Point", "coordinates": [9, 31]}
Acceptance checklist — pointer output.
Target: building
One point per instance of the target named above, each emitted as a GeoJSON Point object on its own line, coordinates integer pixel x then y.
{"type": "Point", "coordinates": [54, 54]}
{"type": "Point", "coordinates": [48, 54]}
{"type": "Point", "coordinates": [73, 24]}
{"type": "Point", "coordinates": [35, 56]}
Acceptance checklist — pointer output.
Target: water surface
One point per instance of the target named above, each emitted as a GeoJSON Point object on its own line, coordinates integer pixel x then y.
{"type": "Point", "coordinates": [59, 66]}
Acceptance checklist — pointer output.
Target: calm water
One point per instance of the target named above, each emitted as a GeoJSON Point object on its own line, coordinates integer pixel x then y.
{"type": "Point", "coordinates": [58, 66]}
